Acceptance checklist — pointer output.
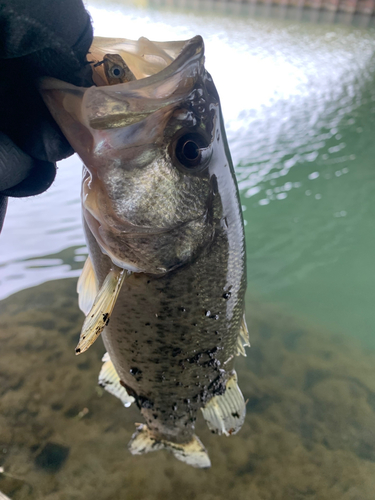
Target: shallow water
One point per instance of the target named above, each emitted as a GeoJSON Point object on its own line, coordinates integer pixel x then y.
{"type": "Point", "coordinates": [309, 432]}
{"type": "Point", "coordinates": [299, 105]}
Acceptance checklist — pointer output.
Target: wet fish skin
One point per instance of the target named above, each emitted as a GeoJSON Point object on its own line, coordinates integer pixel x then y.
{"type": "Point", "coordinates": [176, 325]}
{"type": "Point", "coordinates": [171, 336]}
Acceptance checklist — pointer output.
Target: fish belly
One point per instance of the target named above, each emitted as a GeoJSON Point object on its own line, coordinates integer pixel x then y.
{"type": "Point", "coordinates": [172, 338]}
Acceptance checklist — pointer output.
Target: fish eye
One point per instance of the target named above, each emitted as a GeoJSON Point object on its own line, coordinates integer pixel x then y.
{"type": "Point", "coordinates": [190, 150]}
{"type": "Point", "coordinates": [117, 71]}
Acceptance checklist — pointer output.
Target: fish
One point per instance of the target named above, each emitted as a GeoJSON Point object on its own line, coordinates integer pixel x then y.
{"type": "Point", "coordinates": [164, 283]}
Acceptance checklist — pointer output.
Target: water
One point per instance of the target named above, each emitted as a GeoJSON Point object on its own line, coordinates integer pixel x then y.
{"type": "Point", "coordinates": [299, 105]}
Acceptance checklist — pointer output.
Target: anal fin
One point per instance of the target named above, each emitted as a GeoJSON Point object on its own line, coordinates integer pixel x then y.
{"type": "Point", "coordinates": [109, 379]}
{"type": "Point", "coordinates": [100, 313]}
{"type": "Point", "coordinates": [226, 413]}
{"type": "Point", "coordinates": [192, 453]}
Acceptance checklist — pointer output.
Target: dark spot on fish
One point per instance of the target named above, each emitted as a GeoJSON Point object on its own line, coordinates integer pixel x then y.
{"type": "Point", "coordinates": [52, 457]}
{"type": "Point", "coordinates": [212, 316]}
{"type": "Point", "coordinates": [143, 402]}
{"type": "Point", "coordinates": [105, 318]}
{"type": "Point", "coordinates": [78, 350]}
{"type": "Point", "coordinates": [217, 386]}
{"type": "Point", "coordinates": [136, 372]}
{"type": "Point", "coordinates": [176, 351]}
{"type": "Point", "coordinates": [235, 415]}
{"type": "Point", "coordinates": [226, 295]}
{"type": "Point", "coordinates": [155, 415]}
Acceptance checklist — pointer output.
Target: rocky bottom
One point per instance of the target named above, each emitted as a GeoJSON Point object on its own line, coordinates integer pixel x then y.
{"type": "Point", "coordinates": [309, 432]}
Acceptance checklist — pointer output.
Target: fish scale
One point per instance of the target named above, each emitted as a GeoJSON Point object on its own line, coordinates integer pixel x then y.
{"type": "Point", "coordinates": [165, 279]}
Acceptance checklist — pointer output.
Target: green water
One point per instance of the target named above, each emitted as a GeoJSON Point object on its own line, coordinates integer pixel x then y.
{"type": "Point", "coordinates": [313, 251]}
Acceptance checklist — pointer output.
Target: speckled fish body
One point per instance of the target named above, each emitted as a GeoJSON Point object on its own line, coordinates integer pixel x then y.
{"type": "Point", "coordinates": [160, 200]}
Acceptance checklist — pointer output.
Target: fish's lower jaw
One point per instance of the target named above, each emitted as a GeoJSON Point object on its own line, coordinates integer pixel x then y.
{"type": "Point", "coordinates": [192, 453]}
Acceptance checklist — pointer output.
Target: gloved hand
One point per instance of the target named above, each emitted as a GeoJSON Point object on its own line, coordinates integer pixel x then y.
{"type": "Point", "coordinates": [37, 38]}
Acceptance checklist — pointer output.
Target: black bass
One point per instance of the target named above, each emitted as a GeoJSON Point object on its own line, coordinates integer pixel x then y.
{"type": "Point", "coordinates": [165, 278]}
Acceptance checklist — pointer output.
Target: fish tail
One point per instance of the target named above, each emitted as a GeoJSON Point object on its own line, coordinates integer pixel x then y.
{"type": "Point", "coordinates": [192, 453]}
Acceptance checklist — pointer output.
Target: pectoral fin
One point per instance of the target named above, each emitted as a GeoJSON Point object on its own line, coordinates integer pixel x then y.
{"type": "Point", "coordinates": [192, 453]}
{"type": "Point", "coordinates": [101, 311]}
{"type": "Point", "coordinates": [109, 379]}
{"type": "Point", "coordinates": [87, 287]}
{"type": "Point", "coordinates": [225, 414]}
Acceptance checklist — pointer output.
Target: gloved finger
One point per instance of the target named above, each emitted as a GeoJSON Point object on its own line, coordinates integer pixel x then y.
{"type": "Point", "coordinates": [3, 209]}
{"type": "Point", "coordinates": [24, 117]}
{"type": "Point", "coordinates": [39, 180]}
{"type": "Point", "coordinates": [15, 165]}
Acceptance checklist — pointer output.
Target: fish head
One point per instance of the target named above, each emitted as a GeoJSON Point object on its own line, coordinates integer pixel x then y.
{"type": "Point", "coordinates": [152, 150]}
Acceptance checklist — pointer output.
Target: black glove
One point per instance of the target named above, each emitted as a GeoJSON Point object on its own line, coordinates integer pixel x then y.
{"type": "Point", "coordinates": [37, 38]}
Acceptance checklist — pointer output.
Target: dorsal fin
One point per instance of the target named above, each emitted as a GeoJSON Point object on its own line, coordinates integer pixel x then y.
{"type": "Point", "coordinates": [110, 381]}
{"type": "Point", "coordinates": [101, 311]}
{"type": "Point", "coordinates": [192, 453]}
{"type": "Point", "coordinates": [225, 414]}
{"type": "Point", "coordinates": [243, 338]}
{"type": "Point", "coordinates": [87, 287]}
